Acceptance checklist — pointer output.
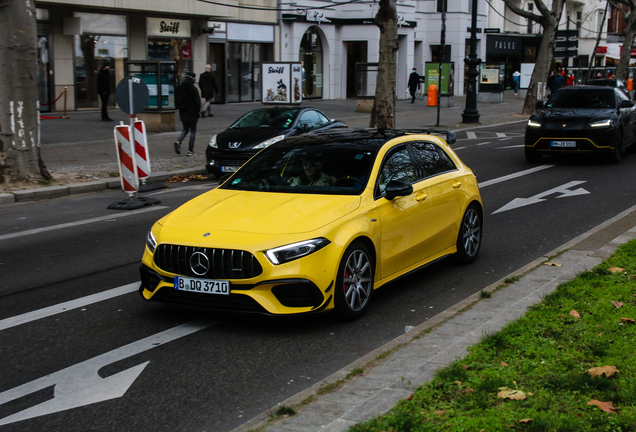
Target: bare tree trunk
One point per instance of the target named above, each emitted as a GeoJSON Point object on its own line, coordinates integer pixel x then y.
{"type": "Point", "coordinates": [19, 116]}
{"type": "Point", "coordinates": [537, 88]}
{"type": "Point", "coordinates": [549, 20]}
{"type": "Point", "coordinates": [598, 41]}
{"type": "Point", "coordinates": [621, 70]}
{"type": "Point", "coordinates": [383, 113]}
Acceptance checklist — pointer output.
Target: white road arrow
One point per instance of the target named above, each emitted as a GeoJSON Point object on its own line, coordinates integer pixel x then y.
{"type": "Point", "coordinates": [81, 384]}
{"type": "Point", "coordinates": [563, 190]}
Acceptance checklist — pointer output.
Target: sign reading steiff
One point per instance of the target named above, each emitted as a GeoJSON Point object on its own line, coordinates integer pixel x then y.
{"type": "Point", "coordinates": [282, 83]}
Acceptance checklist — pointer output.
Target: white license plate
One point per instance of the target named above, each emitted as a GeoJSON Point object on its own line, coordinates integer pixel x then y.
{"type": "Point", "coordinates": [205, 286]}
{"type": "Point", "coordinates": [563, 143]}
{"type": "Point", "coordinates": [228, 169]}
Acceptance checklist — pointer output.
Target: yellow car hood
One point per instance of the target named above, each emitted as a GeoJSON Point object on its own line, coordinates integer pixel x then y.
{"type": "Point", "coordinates": [260, 212]}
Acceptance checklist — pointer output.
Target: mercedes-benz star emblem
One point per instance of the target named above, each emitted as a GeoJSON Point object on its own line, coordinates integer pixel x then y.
{"type": "Point", "coordinates": [199, 263]}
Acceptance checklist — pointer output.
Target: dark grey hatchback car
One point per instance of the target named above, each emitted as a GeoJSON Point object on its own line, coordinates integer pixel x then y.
{"type": "Point", "coordinates": [258, 129]}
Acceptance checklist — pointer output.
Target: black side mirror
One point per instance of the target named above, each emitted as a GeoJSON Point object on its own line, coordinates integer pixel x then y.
{"type": "Point", "coordinates": [626, 104]}
{"type": "Point", "coordinates": [540, 104]}
{"type": "Point", "coordinates": [396, 188]}
{"type": "Point", "coordinates": [451, 138]}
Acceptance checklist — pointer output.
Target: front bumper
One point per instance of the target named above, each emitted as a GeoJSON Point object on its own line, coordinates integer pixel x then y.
{"type": "Point", "coordinates": [301, 286]}
{"type": "Point", "coordinates": [602, 140]}
{"type": "Point", "coordinates": [227, 160]}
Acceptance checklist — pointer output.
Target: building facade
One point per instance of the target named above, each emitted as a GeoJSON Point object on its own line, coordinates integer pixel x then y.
{"type": "Point", "coordinates": [77, 37]}
{"type": "Point", "coordinates": [331, 38]}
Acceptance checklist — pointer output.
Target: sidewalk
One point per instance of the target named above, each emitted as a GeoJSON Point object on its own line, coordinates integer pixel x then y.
{"type": "Point", "coordinates": [84, 145]}
{"type": "Point", "coordinates": [393, 371]}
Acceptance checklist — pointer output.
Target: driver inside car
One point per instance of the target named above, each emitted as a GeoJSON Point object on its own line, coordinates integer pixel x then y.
{"type": "Point", "coordinates": [312, 174]}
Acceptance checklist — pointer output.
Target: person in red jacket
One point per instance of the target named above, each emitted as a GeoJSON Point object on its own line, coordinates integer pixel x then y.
{"type": "Point", "coordinates": [569, 80]}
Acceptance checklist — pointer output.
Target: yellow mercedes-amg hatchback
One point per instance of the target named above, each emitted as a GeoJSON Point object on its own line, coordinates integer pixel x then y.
{"type": "Point", "coordinates": [317, 222]}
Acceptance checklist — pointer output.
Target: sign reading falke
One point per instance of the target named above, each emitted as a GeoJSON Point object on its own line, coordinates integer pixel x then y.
{"type": "Point", "coordinates": [168, 27]}
{"type": "Point", "coordinates": [503, 45]}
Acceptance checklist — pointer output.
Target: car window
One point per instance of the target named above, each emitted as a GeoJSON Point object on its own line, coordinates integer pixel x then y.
{"type": "Point", "coordinates": [341, 169]}
{"type": "Point", "coordinates": [583, 99]}
{"type": "Point", "coordinates": [397, 166]}
{"type": "Point", "coordinates": [431, 159]}
{"type": "Point", "coordinates": [312, 120]}
{"type": "Point", "coordinates": [274, 118]}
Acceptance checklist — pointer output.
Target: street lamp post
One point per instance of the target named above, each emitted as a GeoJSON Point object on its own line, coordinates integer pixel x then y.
{"type": "Point", "coordinates": [471, 114]}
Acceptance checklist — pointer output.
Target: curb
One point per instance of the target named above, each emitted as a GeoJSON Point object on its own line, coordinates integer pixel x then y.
{"type": "Point", "coordinates": [389, 395]}
{"type": "Point", "coordinates": [49, 192]}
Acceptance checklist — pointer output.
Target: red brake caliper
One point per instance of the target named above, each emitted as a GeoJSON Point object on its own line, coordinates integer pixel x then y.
{"type": "Point", "coordinates": [347, 286]}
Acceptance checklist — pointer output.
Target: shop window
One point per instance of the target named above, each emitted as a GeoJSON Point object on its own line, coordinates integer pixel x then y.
{"type": "Point", "coordinates": [311, 59]}
{"type": "Point", "coordinates": [243, 79]}
{"type": "Point", "coordinates": [103, 41]}
{"type": "Point", "coordinates": [177, 49]}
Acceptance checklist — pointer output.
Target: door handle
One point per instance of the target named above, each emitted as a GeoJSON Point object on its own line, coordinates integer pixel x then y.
{"type": "Point", "coordinates": [421, 197]}
{"type": "Point", "coordinates": [457, 185]}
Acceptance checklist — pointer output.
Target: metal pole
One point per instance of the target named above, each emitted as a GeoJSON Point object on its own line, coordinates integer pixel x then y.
{"type": "Point", "coordinates": [471, 115]}
{"type": "Point", "coordinates": [64, 116]}
{"type": "Point", "coordinates": [441, 62]}
{"type": "Point", "coordinates": [132, 131]}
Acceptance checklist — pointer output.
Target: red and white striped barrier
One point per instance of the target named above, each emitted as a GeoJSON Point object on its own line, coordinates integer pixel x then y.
{"type": "Point", "coordinates": [142, 156]}
{"type": "Point", "coordinates": [126, 158]}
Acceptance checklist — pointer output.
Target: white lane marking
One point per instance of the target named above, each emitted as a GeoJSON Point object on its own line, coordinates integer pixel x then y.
{"type": "Point", "coordinates": [459, 148]}
{"type": "Point", "coordinates": [80, 222]}
{"type": "Point", "coordinates": [514, 146]}
{"type": "Point", "coordinates": [471, 135]}
{"type": "Point", "coordinates": [513, 175]}
{"type": "Point", "coordinates": [67, 306]}
{"type": "Point", "coordinates": [500, 134]}
{"type": "Point", "coordinates": [484, 143]}
{"type": "Point", "coordinates": [505, 139]}
{"type": "Point", "coordinates": [80, 384]}
{"type": "Point", "coordinates": [564, 190]}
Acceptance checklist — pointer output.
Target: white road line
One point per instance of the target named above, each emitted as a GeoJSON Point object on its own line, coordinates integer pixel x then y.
{"type": "Point", "coordinates": [514, 146]}
{"type": "Point", "coordinates": [471, 135]}
{"type": "Point", "coordinates": [459, 148]}
{"type": "Point", "coordinates": [514, 175]}
{"type": "Point", "coordinates": [80, 222]}
{"type": "Point", "coordinates": [484, 143]}
{"type": "Point", "coordinates": [505, 139]}
{"type": "Point", "coordinates": [500, 135]}
{"type": "Point", "coordinates": [67, 306]}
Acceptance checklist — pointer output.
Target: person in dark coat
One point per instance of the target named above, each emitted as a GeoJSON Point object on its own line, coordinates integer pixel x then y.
{"type": "Point", "coordinates": [103, 89]}
{"type": "Point", "coordinates": [189, 110]}
{"type": "Point", "coordinates": [414, 83]}
{"type": "Point", "coordinates": [207, 84]}
{"type": "Point", "coordinates": [558, 81]}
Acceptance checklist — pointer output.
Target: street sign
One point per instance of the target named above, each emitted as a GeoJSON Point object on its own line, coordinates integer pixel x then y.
{"type": "Point", "coordinates": [566, 45]}
{"type": "Point", "coordinates": [564, 54]}
{"type": "Point", "coordinates": [140, 95]}
{"type": "Point", "coordinates": [567, 34]}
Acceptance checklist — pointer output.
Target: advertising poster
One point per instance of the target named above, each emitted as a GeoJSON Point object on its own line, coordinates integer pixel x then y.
{"type": "Point", "coordinates": [296, 82]}
{"type": "Point", "coordinates": [277, 83]}
{"type": "Point", "coordinates": [431, 71]}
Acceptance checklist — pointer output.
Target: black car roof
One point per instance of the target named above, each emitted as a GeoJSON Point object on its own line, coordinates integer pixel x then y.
{"type": "Point", "coordinates": [371, 139]}
{"type": "Point", "coordinates": [609, 82]}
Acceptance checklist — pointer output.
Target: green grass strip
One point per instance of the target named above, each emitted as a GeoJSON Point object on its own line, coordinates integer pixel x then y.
{"type": "Point", "coordinates": [546, 355]}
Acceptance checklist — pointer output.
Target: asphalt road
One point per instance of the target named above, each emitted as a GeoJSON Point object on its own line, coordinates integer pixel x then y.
{"type": "Point", "coordinates": [123, 364]}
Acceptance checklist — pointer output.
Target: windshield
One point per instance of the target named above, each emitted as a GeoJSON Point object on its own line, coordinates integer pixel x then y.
{"type": "Point", "coordinates": [279, 118]}
{"type": "Point", "coordinates": [327, 169]}
{"type": "Point", "coordinates": [583, 99]}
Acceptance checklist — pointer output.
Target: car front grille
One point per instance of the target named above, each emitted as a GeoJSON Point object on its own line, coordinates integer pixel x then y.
{"type": "Point", "coordinates": [223, 263]}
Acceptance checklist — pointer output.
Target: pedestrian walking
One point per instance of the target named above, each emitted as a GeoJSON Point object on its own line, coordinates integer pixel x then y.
{"type": "Point", "coordinates": [558, 81]}
{"type": "Point", "coordinates": [103, 89]}
{"type": "Point", "coordinates": [414, 84]}
{"type": "Point", "coordinates": [207, 84]}
{"type": "Point", "coordinates": [188, 102]}
{"type": "Point", "coordinates": [516, 76]}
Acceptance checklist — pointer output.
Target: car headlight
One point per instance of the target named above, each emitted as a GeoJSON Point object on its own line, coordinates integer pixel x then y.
{"type": "Point", "coordinates": [284, 254]}
{"type": "Point", "coordinates": [602, 123]}
{"type": "Point", "coordinates": [533, 123]}
{"type": "Point", "coordinates": [213, 142]}
{"type": "Point", "coordinates": [151, 242]}
{"type": "Point", "coordinates": [269, 142]}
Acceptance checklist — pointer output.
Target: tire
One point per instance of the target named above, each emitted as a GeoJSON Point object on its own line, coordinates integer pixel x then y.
{"type": "Point", "coordinates": [469, 237]}
{"type": "Point", "coordinates": [617, 154]}
{"type": "Point", "coordinates": [354, 282]}
{"type": "Point", "coordinates": [533, 156]}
